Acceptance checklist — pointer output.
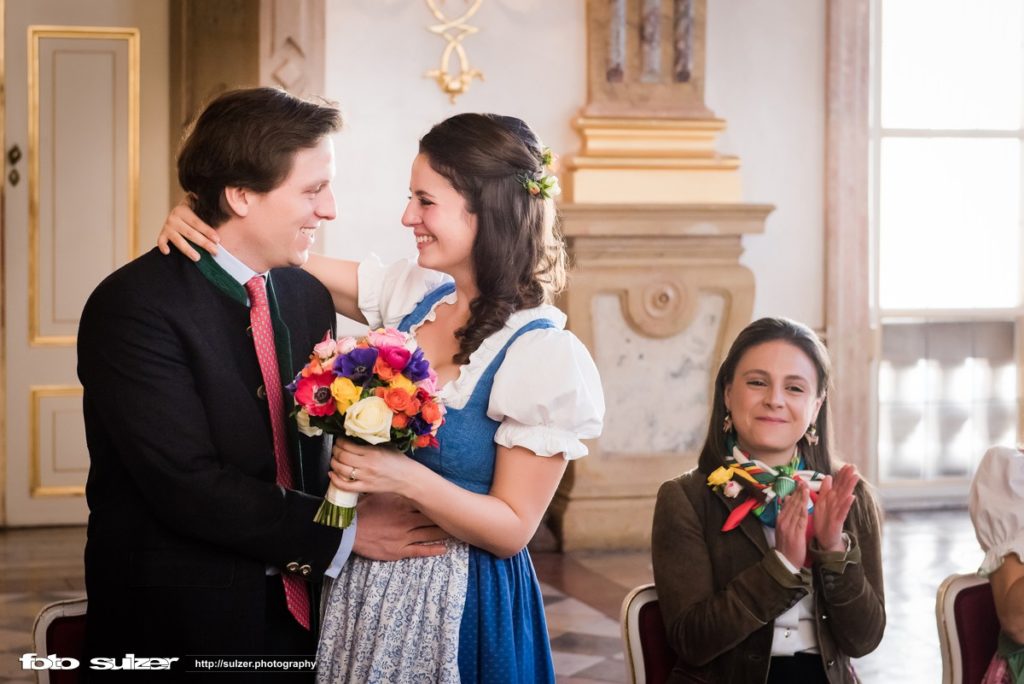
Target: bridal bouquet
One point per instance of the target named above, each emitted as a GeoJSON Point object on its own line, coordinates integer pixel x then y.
{"type": "Point", "coordinates": [379, 389]}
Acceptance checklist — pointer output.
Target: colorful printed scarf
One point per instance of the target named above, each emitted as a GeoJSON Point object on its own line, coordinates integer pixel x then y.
{"type": "Point", "coordinates": [766, 486]}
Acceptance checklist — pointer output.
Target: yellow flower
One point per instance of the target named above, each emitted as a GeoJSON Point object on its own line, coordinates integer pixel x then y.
{"type": "Point", "coordinates": [402, 382]}
{"type": "Point", "coordinates": [345, 393]}
{"type": "Point", "coordinates": [720, 476]}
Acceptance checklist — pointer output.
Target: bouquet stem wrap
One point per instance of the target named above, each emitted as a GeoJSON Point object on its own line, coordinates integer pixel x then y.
{"type": "Point", "coordinates": [338, 508]}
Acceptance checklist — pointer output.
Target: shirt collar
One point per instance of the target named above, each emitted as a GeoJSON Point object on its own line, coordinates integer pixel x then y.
{"type": "Point", "coordinates": [235, 268]}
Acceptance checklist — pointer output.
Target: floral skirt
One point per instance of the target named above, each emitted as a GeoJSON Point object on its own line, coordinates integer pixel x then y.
{"type": "Point", "coordinates": [394, 621]}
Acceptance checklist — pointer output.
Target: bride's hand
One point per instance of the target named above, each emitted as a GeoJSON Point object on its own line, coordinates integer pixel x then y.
{"type": "Point", "coordinates": [359, 468]}
{"type": "Point", "coordinates": [182, 225]}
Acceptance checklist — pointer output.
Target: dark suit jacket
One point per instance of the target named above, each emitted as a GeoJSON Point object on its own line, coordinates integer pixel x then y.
{"type": "Point", "coordinates": [185, 516]}
{"type": "Point", "coordinates": [720, 592]}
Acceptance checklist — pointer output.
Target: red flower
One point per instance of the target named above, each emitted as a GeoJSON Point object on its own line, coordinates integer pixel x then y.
{"type": "Point", "coordinates": [314, 393]}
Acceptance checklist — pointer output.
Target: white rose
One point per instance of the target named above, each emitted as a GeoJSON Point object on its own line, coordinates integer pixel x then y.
{"type": "Point", "coordinates": [369, 419]}
{"type": "Point", "coordinates": [302, 420]}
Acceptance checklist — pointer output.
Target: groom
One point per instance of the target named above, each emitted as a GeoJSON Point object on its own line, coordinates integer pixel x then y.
{"type": "Point", "coordinates": [201, 491]}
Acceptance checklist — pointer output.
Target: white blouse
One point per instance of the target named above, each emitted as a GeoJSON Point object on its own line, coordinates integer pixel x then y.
{"type": "Point", "coordinates": [547, 393]}
{"type": "Point", "coordinates": [997, 506]}
{"type": "Point", "coordinates": [795, 630]}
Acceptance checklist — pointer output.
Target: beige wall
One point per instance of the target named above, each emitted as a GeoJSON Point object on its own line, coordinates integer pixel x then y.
{"type": "Point", "coordinates": [765, 76]}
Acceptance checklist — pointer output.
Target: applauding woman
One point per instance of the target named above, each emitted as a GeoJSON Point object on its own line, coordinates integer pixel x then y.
{"type": "Point", "coordinates": [766, 560]}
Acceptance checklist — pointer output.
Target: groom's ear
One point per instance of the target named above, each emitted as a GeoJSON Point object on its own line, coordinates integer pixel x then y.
{"type": "Point", "coordinates": [237, 200]}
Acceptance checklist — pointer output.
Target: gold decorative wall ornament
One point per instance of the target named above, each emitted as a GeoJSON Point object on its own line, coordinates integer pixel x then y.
{"type": "Point", "coordinates": [454, 31]}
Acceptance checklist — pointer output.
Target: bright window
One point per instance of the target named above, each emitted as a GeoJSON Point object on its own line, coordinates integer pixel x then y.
{"type": "Point", "coordinates": [947, 156]}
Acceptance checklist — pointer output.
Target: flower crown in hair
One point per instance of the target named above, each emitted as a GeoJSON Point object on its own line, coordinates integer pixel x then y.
{"type": "Point", "coordinates": [541, 184]}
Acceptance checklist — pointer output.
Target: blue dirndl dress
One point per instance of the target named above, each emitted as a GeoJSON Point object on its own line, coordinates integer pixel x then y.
{"type": "Point", "coordinates": [465, 616]}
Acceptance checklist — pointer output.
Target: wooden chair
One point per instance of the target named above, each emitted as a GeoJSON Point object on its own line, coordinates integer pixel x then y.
{"type": "Point", "coordinates": [649, 657]}
{"type": "Point", "coordinates": [59, 630]}
{"type": "Point", "coordinates": [968, 627]}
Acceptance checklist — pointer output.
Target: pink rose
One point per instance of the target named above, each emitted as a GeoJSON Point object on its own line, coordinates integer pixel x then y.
{"type": "Point", "coordinates": [396, 357]}
{"type": "Point", "coordinates": [326, 348]}
{"type": "Point", "coordinates": [346, 344]}
{"type": "Point", "coordinates": [387, 337]}
{"type": "Point", "coordinates": [732, 489]}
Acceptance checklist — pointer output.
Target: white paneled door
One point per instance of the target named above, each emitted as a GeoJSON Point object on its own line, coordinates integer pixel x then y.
{"type": "Point", "coordinates": [85, 167]}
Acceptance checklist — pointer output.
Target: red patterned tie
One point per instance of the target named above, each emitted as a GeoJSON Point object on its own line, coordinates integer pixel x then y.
{"type": "Point", "coordinates": [295, 590]}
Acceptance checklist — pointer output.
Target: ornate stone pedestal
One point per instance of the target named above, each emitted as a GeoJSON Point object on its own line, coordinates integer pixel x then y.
{"type": "Point", "coordinates": [657, 294]}
{"type": "Point", "coordinates": [654, 224]}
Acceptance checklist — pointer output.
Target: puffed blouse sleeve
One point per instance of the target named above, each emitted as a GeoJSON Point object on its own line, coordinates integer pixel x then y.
{"type": "Point", "coordinates": [997, 506]}
{"type": "Point", "coordinates": [547, 395]}
{"type": "Point", "coordinates": [388, 293]}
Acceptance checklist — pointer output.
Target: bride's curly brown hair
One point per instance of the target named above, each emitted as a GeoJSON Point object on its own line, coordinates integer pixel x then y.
{"type": "Point", "coordinates": [518, 255]}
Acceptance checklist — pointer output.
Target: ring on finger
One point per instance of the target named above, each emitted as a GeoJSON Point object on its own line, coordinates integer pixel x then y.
{"type": "Point", "coordinates": [352, 474]}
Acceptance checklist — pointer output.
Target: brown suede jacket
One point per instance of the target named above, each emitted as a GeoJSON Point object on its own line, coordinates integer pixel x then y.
{"type": "Point", "coordinates": [720, 592]}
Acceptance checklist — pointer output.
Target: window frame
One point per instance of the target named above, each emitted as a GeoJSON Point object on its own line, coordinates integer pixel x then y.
{"type": "Point", "coordinates": [942, 489]}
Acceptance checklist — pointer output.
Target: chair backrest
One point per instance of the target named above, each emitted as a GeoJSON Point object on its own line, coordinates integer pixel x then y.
{"type": "Point", "coordinates": [59, 630]}
{"type": "Point", "coordinates": [649, 657]}
{"type": "Point", "coordinates": [968, 627]}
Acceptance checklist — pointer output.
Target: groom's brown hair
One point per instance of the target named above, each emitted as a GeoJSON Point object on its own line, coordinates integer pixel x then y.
{"type": "Point", "coordinates": [248, 138]}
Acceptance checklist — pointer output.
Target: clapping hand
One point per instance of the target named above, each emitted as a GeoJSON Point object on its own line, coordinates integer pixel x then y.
{"type": "Point", "coordinates": [791, 525]}
{"type": "Point", "coordinates": [833, 505]}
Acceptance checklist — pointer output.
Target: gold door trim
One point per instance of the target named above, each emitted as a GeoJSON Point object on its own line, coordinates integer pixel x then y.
{"type": "Point", "coordinates": [35, 35]}
{"type": "Point", "coordinates": [36, 488]}
{"type": "Point", "coordinates": [3, 282]}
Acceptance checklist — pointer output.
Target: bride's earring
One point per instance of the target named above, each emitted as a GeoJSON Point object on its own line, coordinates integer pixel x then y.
{"type": "Point", "coordinates": [812, 435]}
{"type": "Point", "coordinates": [727, 423]}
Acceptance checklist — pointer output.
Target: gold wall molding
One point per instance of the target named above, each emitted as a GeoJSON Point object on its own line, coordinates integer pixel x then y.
{"type": "Point", "coordinates": [3, 280]}
{"type": "Point", "coordinates": [454, 31]}
{"type": "Point", "coordinates": [37, 34]}
{"type": "Point", "coordinates": [38, 393]}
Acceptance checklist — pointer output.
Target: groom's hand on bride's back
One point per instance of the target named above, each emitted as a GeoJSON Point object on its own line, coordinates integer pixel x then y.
{"type": "Point", "coordinates": [390, 528]}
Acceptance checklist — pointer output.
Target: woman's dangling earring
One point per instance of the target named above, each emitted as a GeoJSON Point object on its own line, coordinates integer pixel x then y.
{"type": "Point", "coordinates": [812, 435]}
{"type": "Point", "coordinates": [727, 423]}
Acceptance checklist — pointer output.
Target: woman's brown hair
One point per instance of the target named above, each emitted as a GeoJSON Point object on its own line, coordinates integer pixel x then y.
{"type": "Point", "coordinates": [818, 457]}
{"type": "Point", "coordinates": [518, 257]}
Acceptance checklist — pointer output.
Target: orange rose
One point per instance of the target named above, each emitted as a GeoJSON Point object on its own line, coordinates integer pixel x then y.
{"type": "Point", "coordinates": [382, 369]}
{"type": "Point", "coordinates": [397, 399]}
{"type": "Point", "coordinates": [431, 412]}
{"type": "Point", "coordinates": [413, 408]}
{"type": "Point", "coordinates": [400, 421]}
{"type": "Point", "coordinates": [423, 440]}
